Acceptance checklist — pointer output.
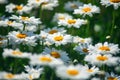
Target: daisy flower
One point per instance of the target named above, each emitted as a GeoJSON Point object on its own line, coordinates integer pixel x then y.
{"type": "Point", "coordinates": [34, 3]}
{"type": "Point", "coordinates": [98, 59]}
{"type": "Point", "coordinates": [45, 60]}
{"type": "Point", "coordinates": [115, 3]}
{"type": "Point", "coordinates": [3, 1]}
{"type": "Point", "coordinates": [17, 37]}
{"type": "Point", "coordinates": [105, 48]}
{"type": "Point", "coordinates": [3, 41]}
{"type": "Point", "coordinates": [57, 54]}
{"type": "Point", "coordinates": [72, 72]}
{"type": "Point", "coordinates": [71, 5]}
{"type": "Point", "coordinates": [20, 9]}
{"type": "Point", "coordinates": [61, 16]}
{"type": "Point", "coordinates": [26, 20]}
{"type": "Point", "coordinates": [72, 22]}
{"type": "Point", "coordinates": [15, 53]}
{"type": "Point", "coordinates": [87, 9]}
{"type": "Point", "coordinates": [79, 40]}
{"type": "Point", "coordinates": [82, 48]}
{"type": "Point", "coordinates": [111, 76]}
{"type": "Point", "coordinates": [59, 39]}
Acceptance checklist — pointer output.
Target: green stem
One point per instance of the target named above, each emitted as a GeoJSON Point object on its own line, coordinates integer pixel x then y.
{"type": "Point", "coordinates": [24, 27]}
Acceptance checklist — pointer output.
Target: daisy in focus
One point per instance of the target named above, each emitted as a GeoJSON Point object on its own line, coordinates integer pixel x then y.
{"type": "Point", "coordinates": [57, 54]}
{"type": "Point", "coordinates": [77, 23]}
{"type": "Point", "coordinates": [45, 60]}
{"type": "Point", "coordinates": [87, 9]}
{"type": "Point", "coordinates": [115, 3]}
{"type": "Point", "coordinates": [71, 5]}
{"type": "Point", "coordinates": [99, 60]}
{"type": "Point", "coordinates": [15, 53]}
{"type": "Point", "coordinates": [72, 72]}
{"type": "Point", "coordinates": [112, 76]}
{"type": "Point", "coordinates": [104, 48]}
{"type": "Point", "coordinates": [59, 39]}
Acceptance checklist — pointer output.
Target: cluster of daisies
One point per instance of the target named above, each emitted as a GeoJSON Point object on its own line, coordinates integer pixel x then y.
{"type": "Point", "coordinates": [55, 45]}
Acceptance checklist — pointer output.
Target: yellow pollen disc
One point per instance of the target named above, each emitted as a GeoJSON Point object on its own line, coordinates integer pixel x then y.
{"type": "Point", "coordinates": [58, 38]}
{"type": "Point", "coordinates": [61, 18]}
{"type": "Point", "coordinates": [82, 40]}
{"type": "Point", "coordinates": [52, 31]}
{"type": "Point", "coordinates": [85, 50]}
{"type": "Point", "coordinates": [74, 6]}
{"type": "Point", "coordinates": [115, 1]}
{"type": "Point", "coordinates": [37, 0]}
{"type": "Point", "coordinates": [55, 54]}
{"type": "Point", "coordinates": [90, 70]}
{"type": "Point", "coordinates": [104, 48]}
{"type": "Point", "coordinates": [30, 76]}
{"type": "Point", "coordinates": [112, 78]}
{"type": "Point", "coordinates": [70, 21]}
{"type": "Point", "coordinates": [45, 59]}
{"type": "Point", "coordinates": [17, 53]}
{"type": "Point", "coordinates": [24, 18]}
{"type": "Point", "coordinates": [20, 35]}
{"type": "Point", "coordinates": [73, 72]}
{"type": "Point", "coordinates": [9, 22]}
{"type": "Point", "coordinates": [87, 9]}
{"type": "Point", "coordinates": [102, 58]}
{"type": "Point", "coordinates": [19, 7]}
{"type": "Point", "coordinates": [9, 76]}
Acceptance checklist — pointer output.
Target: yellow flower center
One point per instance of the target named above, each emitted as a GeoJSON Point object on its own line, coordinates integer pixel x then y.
{"type": "Point", "coordinates": [37, 0]}
{"type": "Point", "coordinates": [115, 1]}
{"type": "Point", "coordinates": [24, 18]}
{"type": "Point", "coordinates": [55, 54]}
{"type": "Point", "coordinates": [20, 35]}
{"type": "Point", "coordinates": [19, 7]}
{"type": "Point", "coordinates": [74, 6]}
{"type": "Point", "coordinates": [87, 9]}
{"type": "Point", "coordinates": [71, 21]}
{"type": "Point", "coordinates": [30, 77]}
{"type": "Point", "coordinates": [102, 58]}
{"type": "Point", "coordinates": [73, 72]}
{"type": "Point", "coordinates": [85, 50]}
{"type": "Point", "coordinates": [44, 3]}
{"type": "Point", "coordinates": [90, 70]}
{"type": "Point", "coordinates": [9, 76]}
{"type": "Point", "coordinates": [61, 18]}
{"type": "Point", "coordinates": [17, 53]}
{"type": "Point", "coordinates": [53, 31]}
{"type": "Point", "coordinates": [82, 40]}
{"type": "Point", "coordinates": [112, 78]}
{"type": "Point", "coordinates": [45, 59]}
{"type": "Point", "coordinates": [104, 48]}
{"type": "Point", "coordinates": [58, 38]}
{"type": "Point", "coordinates": [9, 22]}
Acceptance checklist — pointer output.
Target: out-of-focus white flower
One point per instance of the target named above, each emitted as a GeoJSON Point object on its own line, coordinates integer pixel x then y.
{"type": "Point", "coordinates": [105, 48]}
{"type": "Point", "coordinates": [99, 59]}
{"type": "Point", "coordinates": [80, 40]}
{"type": "Point", "coordinates": [3, 41]}
{"type": "Point", "coordinates": [3, 1]}
{"type": "Point", "coordinates": [57, 54]}
{"type": "Point", "coordinates": [20, 9]}
{"type": "Point", "coordinates": [115, 3]}
{"type": "Point", "coordinates": [27, 38]}
{"type": "Point", "coordinates": [72, 23]}
{"type": "Point", "coordinates": [45, 60]}
{"type": "Point", "coordinates": [72, 72]}
{"type": "Point", "coordinates": [87, 9]}
{"type": "Point", "coordinates": [15, 53]}
{"type": "Point", "coordinates": [61, 16]}
{"type": "Point", "coordinates": [71, 5]}
{"type": "Point", "coordinates": [26, 20]}
{"type": "Point", "coordinates": [59, 39]}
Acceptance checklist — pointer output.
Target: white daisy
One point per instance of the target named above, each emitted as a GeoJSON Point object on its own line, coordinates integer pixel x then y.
{"type": "Point", "coordinates": [34, 3]}
{"type": "Point", "coordinates": [27, 38]}
{"type": "Point", "coordinates": [115, 3]}
{"type": "Point", "coordinates": [98, 59]}
{"type": "Point", "coordinates": [57, 54]}
{"type": "Point", "coordinates": [111, 76]}
{"type": "Point", "coordinates": [45, 60]}
{"type": "Point", "coordinates": [87, 9]}
{"type": "Point", "coordinates": [15, 53]}
{"type": "Point", "coordinates": [72, 72]}
{"type": "Point", "coordinates": [72, 23]}
{"type": "Point", "coordinates": [105, 48]}
{"type": "Point", "coordinates": [71, 5]}
{"type": "Point", "coordinates": [61, 16]}
{"type": "Point", "coordinates": [59, 39]}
